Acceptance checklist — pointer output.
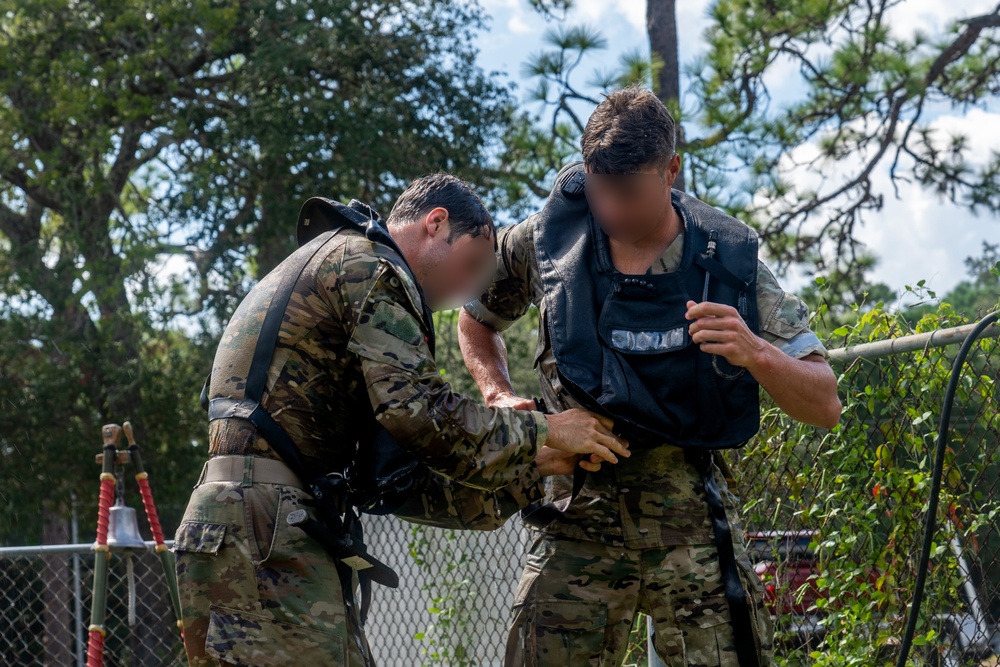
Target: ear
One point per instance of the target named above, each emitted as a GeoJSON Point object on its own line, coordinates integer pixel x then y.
{"type": "Point", "coordinates": [436, 222]}
{"type": "Point", "coordinates": [673, 169]}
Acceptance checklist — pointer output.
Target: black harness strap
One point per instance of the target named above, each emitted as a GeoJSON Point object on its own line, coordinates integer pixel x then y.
{"type": "Point", "coordinates": [250, 408]}
{"type": "Point", "coordinates": [539, 515]}
{"type": "Point", "coordinates": [739, 606]}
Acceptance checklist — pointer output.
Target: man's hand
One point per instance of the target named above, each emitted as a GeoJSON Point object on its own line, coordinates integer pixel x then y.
{"type": "Point", "coordinates": [720, 330]}
{"type": "Point", "coordinates": [555, 462]}
{"type": "Point", "coordinates": [579, 431]}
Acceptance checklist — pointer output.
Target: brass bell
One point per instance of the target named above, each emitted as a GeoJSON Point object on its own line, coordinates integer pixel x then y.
{"type": "Point", "coordinates": [123, 528]}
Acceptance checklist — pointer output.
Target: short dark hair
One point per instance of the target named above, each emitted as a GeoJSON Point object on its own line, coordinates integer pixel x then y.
{"type": "Point", "coordinates": [629, 131]}
{"type": "Point", "coordinates": [466, 213]}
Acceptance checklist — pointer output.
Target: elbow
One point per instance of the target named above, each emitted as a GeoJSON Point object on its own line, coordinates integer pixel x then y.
{"type": "Point", "coordinates": [831, 413]}
{"type": "Point", "coordinates": [832, 409]}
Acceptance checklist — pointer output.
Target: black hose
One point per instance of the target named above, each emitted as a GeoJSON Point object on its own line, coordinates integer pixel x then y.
{"type": "Point", "coordinates": [930, 524]}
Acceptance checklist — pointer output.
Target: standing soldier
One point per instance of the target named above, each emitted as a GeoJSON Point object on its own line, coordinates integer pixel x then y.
{"type": "Point", "coordinates": [351, 355]}
{"type": "Point", "coordinates": [655, 311]}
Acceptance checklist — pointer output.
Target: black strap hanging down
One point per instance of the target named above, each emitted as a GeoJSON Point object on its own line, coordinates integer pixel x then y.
{"type": "Point", "coordinates": [739, 606]}
{"type": "Point", "coordinates": [539, 515]}
{"type": "Point", "coordinates": [250, 408]}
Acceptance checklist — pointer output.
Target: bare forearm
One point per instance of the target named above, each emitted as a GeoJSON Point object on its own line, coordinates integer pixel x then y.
{"type": "Point", "coordinates": [485, 354]}
{"type": "Point", "coordinates": [805, 389]}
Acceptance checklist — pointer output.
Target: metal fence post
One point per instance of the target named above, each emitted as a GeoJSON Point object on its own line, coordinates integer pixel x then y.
{"type": "Point", "coordinates": [654, 659]}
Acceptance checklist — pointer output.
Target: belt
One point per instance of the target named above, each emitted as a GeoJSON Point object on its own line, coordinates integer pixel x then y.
{"type": "Point", "coordinates": [249, 470]}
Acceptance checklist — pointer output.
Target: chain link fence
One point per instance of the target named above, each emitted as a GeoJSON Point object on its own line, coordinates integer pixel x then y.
{"type": "Point", "coordinates": [833, 522]}
{"type": "Point", "coordinates": [45, 602]}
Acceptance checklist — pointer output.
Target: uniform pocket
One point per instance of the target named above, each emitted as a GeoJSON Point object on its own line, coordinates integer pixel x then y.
{"type": "Point", "coordinates": [569, 632]}
{"type": "Point", "coordinates": [200, 538]}
{"type": "Point", "coordinates": [289, 543]}
{"type": "Point", "coordinates": [250, 640]}
{"type": "Point", "coordinates": [699, 635]}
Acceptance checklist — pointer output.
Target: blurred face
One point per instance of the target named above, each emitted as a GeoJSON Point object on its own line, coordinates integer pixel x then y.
{"type": "Point", "coordinates": [629, 207]}
{"type": "Point", "coordinates": [453, 269]}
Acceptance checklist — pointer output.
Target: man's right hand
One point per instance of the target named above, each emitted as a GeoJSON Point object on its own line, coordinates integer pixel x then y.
{"type": "Point", "coordinates": [575, 431]}
{"type": "Point", "coordinates": [582, 432]}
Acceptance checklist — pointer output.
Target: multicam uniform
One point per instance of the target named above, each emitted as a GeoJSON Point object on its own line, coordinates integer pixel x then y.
{"type": "Point", "coordinates": [638, 536]}
{"type": "Point", "coordinates": [256, 591]}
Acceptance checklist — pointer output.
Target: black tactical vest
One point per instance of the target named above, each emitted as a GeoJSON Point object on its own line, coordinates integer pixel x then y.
{"type": "Point", "coordinates": [621, 342]}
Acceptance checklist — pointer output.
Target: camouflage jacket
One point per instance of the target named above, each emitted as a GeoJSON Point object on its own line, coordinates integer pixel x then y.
{"type": "Point", "coordinates": [352, 347]}
{"type": "Point", "coordinates": [654, 498]}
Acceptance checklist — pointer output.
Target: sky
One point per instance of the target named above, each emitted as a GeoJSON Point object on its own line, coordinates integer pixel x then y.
{"type": "Point", "coordinates": [915, 236]}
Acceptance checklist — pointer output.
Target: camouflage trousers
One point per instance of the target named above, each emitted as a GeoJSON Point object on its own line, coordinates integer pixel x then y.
{"type": "Point", "coordinates": [577, 601]}
{"type": "Point", "coordinates": [254, 590]}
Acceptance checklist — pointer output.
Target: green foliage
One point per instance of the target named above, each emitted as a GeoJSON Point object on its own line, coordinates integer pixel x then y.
{"type": "Point", "coordinates": [449, 640]}
{"type": "Point", "coordinates": [863, 488]}
{"type": "Point", "coordinates": [153, 163]}
{"type": "Point", "coordinates": [857, 99]}
{"type": "Point", "coordinates": [521, 340]}
{"type": "Point", "coordinates": [976, 296]}
{"type": "Point", "coordinates": [50, 428]}
{"type": "Point", "coordinates": [864, 106]}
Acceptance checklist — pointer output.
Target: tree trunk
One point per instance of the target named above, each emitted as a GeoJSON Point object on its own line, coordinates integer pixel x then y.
{"type": "Point", "coordinates": [661, 25]}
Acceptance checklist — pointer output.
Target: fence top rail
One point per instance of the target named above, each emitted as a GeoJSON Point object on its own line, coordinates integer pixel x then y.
{"type": "Point", "coordinates": [912, 343]}
{"type": "Point", "coordinates": [47, 549]}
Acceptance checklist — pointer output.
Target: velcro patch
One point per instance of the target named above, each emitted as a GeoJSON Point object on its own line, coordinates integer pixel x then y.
{"type": "Point", "coordinates": [397, 322]}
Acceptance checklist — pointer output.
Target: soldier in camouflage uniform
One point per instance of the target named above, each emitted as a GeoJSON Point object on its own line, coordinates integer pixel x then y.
{"type": "Point", "coordinates": [353, 345]}
{"type": "Point", "coordinates": [638, 536]}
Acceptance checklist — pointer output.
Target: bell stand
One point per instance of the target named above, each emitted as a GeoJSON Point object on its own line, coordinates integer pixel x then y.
{"type": "Point", "coordinates": [117, 530]}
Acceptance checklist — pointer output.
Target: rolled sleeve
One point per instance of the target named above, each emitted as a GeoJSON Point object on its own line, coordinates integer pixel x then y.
{"type": "Point", "coordinates": [510, 294]}
{"type": "Point", "coordinates": [803, 345]}
{"type": "Point", "coordinates": [484, 315]}
{"type": "Point", "coordinates": [784, 318]}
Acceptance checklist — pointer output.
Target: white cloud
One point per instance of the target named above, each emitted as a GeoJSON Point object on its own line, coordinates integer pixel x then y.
{"type": "Point", "coordinates": [932, 16]}
{"type": "Point", "coordinates": [916, 235]}
{"type": "Point", "coordinates": [601, 12]}
{"type": "Point", "coordinates": [919, 235]}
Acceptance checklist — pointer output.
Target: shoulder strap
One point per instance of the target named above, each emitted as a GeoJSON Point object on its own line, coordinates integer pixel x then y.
{"type": "Point", "coordinates": [249, 407]}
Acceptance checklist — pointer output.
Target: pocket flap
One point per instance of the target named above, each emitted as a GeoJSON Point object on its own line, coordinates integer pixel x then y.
{"type": "Point", "coordinates": [197, 537]}
{"type": "Point", "coordinates": [243, 638]}
{"type": "Point", "coordinates": [571, 615]}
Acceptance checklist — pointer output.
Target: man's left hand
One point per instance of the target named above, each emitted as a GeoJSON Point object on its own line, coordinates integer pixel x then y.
{"type": "Point", "coordinates": [556, 462]}
{"type": "Point", "coordinates": [719, 329]}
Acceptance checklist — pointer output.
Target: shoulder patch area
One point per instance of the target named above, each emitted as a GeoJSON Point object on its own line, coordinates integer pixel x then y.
{"type": "Point", "coordinates": [397, 322]}
{"type": "Point", "coordinates": [397, 275]}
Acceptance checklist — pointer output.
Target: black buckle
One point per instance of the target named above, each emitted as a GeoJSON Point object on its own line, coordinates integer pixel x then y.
{"type": "Point", "coordinates": [636, 288]}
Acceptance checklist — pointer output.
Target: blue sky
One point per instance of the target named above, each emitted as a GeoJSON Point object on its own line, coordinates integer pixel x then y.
{"type": "Point", "coordinates": [915, 236]}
